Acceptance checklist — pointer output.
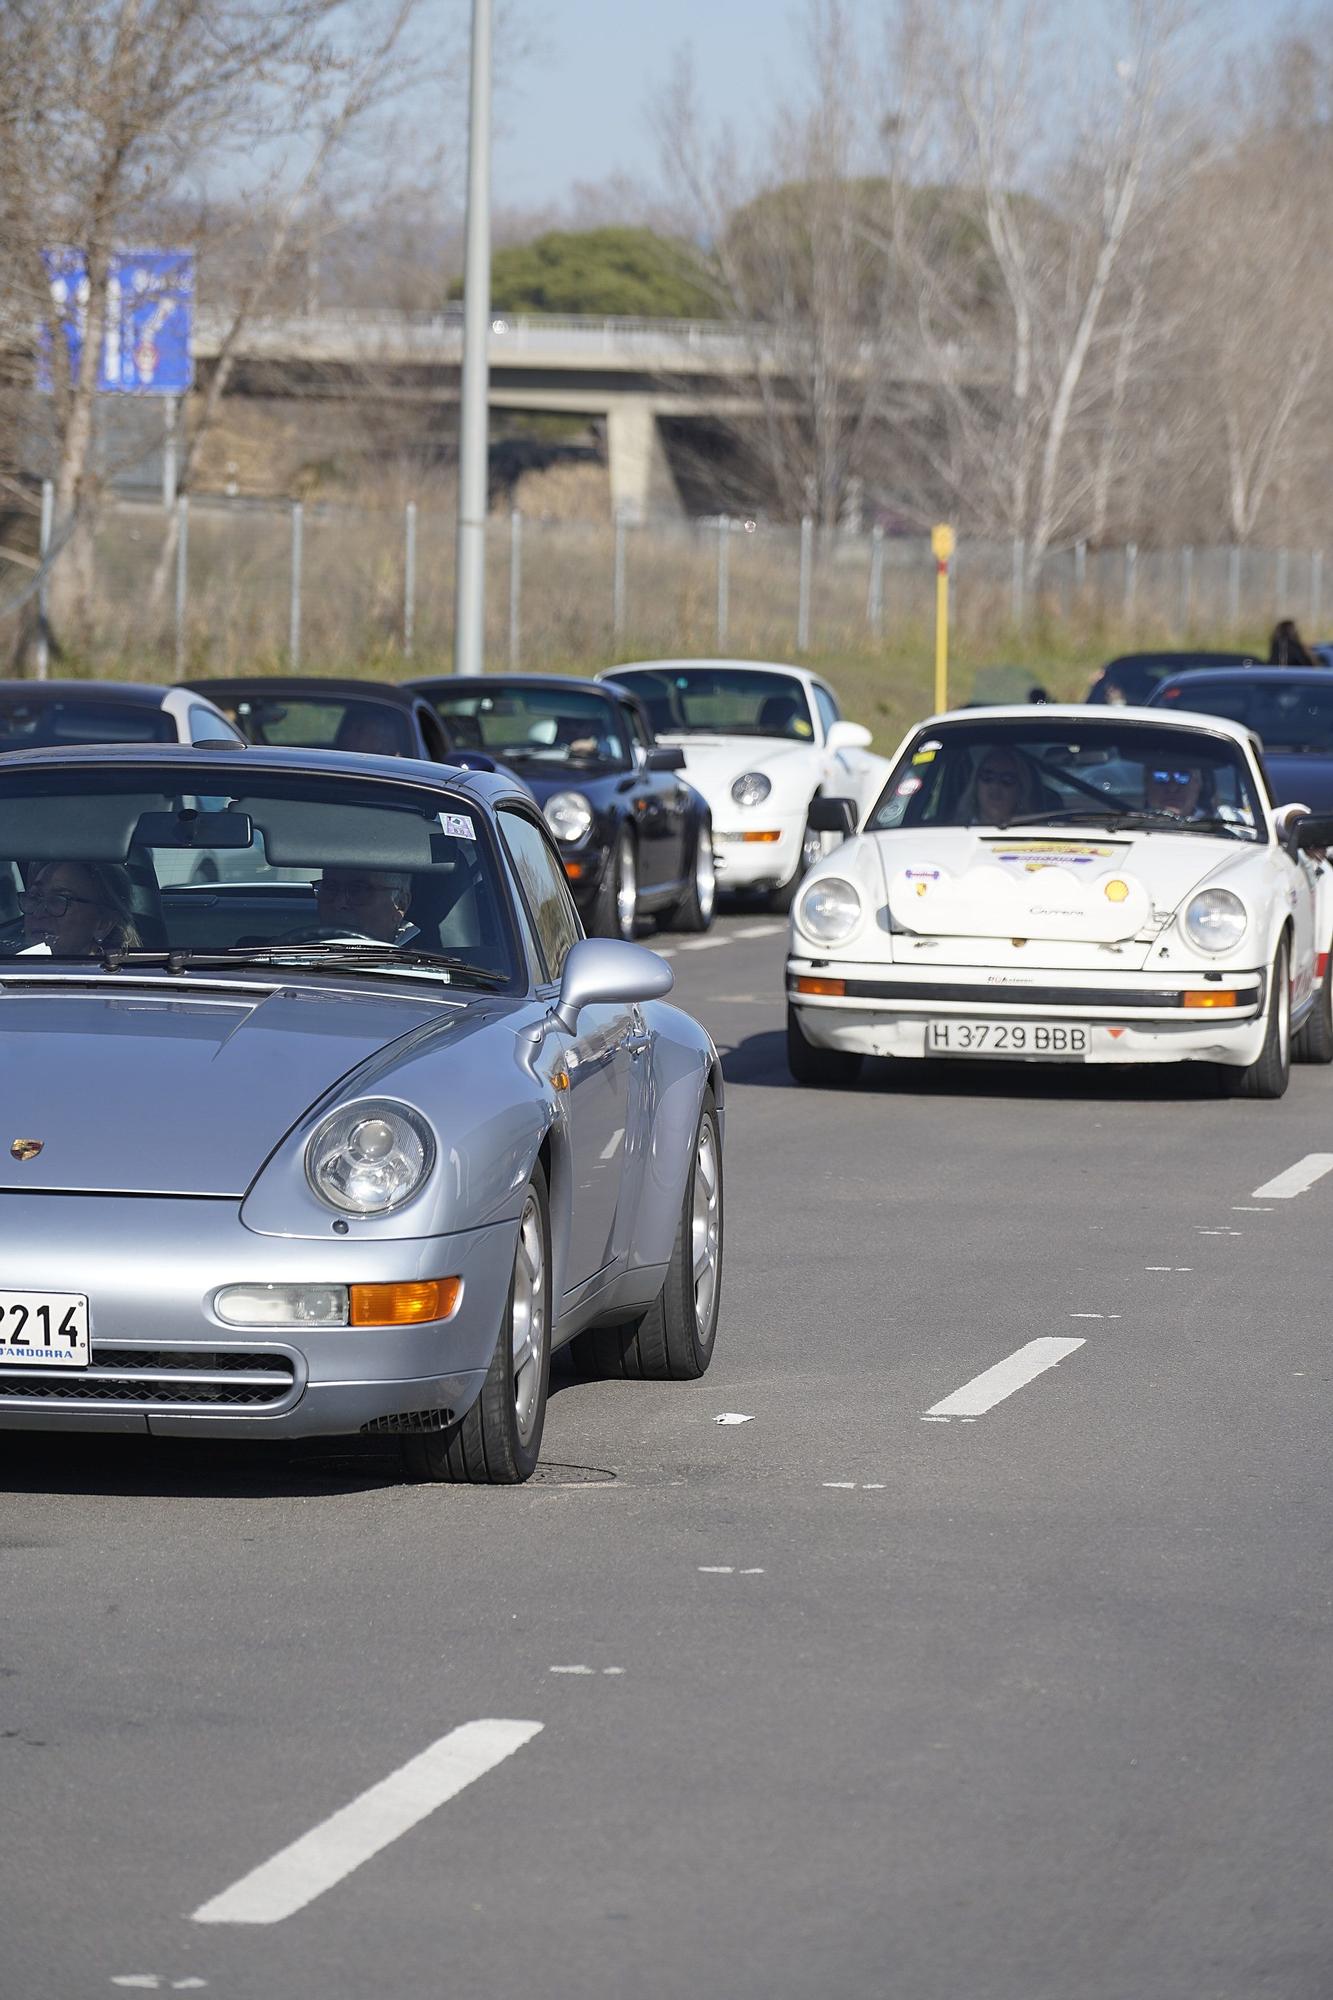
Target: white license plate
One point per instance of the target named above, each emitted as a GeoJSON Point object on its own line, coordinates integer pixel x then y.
{"type": "Point", "coordinates": [43, 1330]}
{"type": "Point", "coordinates": [1050, 1039]}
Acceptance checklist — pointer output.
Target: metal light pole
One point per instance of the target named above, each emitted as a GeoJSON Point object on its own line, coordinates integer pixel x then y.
{"type": "Point", "coordinates": [470, 574]}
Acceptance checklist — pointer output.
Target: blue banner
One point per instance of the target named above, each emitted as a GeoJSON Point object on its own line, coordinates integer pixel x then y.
{"type": "Point", "coordinates": [147, 344]}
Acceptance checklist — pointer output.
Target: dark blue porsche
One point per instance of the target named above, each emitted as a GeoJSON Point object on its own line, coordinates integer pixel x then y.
{"type": "Point", "coordinates": [1290, 710]}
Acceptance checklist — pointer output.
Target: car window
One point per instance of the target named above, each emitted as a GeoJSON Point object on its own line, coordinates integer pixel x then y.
{"type": "Point", "coordinates": [549, 904]}
{"type": "Point", "coordinates": [36, 721]}
{"type": "Point", "coordinates": [827, 706]}
{"type": "Point", "coordinates": [205, 726]}
{"type": "Point", "coordinates": [721, 701]}
{"type": "Point", "coordinates": [326, 722]}
{"type": "Point", "coordinates": [1070, 774]}
{"type": "Point", "coordinates": [1289, 716]}
{"type": "Point", "coordinates": [539, 725]}
{"type": "Point", "coordinates": [230, 858]}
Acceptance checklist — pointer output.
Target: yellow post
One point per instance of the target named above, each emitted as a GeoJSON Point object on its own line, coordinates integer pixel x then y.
{"type": "Point", "coordinates": [942, 545]}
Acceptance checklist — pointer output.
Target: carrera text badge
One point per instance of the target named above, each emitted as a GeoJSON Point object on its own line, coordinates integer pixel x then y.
{"type": "Point", "coordinates": [26, 1149]}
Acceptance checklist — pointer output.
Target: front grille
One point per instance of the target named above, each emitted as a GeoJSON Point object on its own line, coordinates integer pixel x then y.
{"type": "Point", "coordinates": [177, 1377]}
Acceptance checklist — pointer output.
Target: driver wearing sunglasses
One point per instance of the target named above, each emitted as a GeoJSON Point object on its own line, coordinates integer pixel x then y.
{"type": "Point", "coordinates": [1173, 787]}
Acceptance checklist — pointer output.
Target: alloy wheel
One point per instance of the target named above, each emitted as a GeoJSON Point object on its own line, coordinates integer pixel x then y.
{"type": "Point", "coordinates": [705, 1226]}
{"type": "Point", "coordinates": [528, 1321]}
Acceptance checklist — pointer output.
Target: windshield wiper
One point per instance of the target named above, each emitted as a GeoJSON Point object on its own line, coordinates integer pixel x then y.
{"type": "Point", "coordinates": [1112, 807]}
{"type": "Point", "coordinates": [320, 952]}
{"type": "Point", "coordinates": [1173, 822]}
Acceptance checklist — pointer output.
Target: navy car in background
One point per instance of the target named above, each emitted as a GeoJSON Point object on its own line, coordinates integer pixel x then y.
{"type": "Point", "coordinates": [635, 838]}
{"type": "Point", "coordinates": [1132, 677]}
{"type": "Point", "coordinates": [1290, 710]}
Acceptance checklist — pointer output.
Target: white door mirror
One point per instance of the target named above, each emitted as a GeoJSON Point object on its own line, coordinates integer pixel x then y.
{"type": "Point", "coordinates": [848, 736]}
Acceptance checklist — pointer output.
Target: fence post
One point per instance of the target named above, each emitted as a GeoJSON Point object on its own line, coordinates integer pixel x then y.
{"type": "Point", "coordinates": [1131, 578]}
{"type": "Point", "coordinates": [723, 578]}
{"type": "Point", "coordinates": [409, 578]}
{"type": "Point", "coordinates": [294, 619]}
{"type": "Point", "coordinates": [1233, 587]}
{"type": "Point", "coordinates": [1316, 588]}
{"type": "Point", "coordinates": [1016, 584]}
{"type": "Point", "coordinates": [1186, 588]}
{"type": "Point", "coordinates": [515, 584]}
{"type": "Point", "coordinates": [1283, 579]}
{"type": "Point", "coordinates": [43, 594]}
{"type": "Point", "coordinates": [170, 425]}
{"type": "Point", "coordinates": [875, 595]}
{"type": "Point", "coordinates": [618, 577]}
{"type": "Point", "coordinates": [182, 578]}
{"type": "Point", "coordinates": [1080, 564]}
{"type": "Point", "coordinates": [803, 592]}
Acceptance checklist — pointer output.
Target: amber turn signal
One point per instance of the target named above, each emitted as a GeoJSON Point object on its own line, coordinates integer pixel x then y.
{"type": "Point", "coordinates": [836, 988]}
{"type": "Point", "coordinates": [408, 1304]}
{"type": "Point", "coordinates": [574, 870]}
{"type": "Point", "coordinates": [1215, 996]}
{"type": "Point", "coordinates": [761, 836]}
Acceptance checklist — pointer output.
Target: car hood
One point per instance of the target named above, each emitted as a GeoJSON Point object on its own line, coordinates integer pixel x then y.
{"type": "Point", "coordinates": [713, 763]}
{"type": "Point", "coordinates": [1087, 889]}
{"type": "Point", "coordinates": [145, 1093]}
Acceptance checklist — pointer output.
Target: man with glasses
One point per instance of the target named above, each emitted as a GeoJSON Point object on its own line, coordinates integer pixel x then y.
{"type": "Point", "coordinates": [1173, 786]}
{"type": "Point", "coordinates": [372, 902]}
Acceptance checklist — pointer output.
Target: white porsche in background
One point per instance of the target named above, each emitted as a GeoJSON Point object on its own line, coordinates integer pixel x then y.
{"type": "Point", "coordinates": [760, 742]}
{"type": "Point", "coordinates": [1060, 884]}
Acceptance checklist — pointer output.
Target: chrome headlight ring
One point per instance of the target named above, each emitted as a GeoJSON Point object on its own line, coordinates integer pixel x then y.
{"type": "Point", "coordinates": [751, 788]}
{"type": "Point", "coordinates": [569, 816]}
{"type": "Point", "coordinates": [370, 1157]}
{"type": "Point", "coordinates": [829, 910]}
{"type": "Point", "coordinates": [1215, 920]}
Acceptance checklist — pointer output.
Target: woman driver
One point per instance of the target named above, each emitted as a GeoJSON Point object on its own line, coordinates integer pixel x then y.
{"type": "Point", "coordinates": [77, 908]}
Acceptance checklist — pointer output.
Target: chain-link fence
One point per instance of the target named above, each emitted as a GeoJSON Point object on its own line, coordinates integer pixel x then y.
{"type": "Point", "coordinates": [226, 585]}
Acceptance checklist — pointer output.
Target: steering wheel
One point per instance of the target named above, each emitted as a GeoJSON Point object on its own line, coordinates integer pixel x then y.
{"type": "Point", "coordinates": [327, 934]}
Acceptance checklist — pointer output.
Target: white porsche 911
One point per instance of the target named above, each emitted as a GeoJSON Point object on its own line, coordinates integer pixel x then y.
{"type": "Point", "coordinates": [760, 742]}
{"type": "Point", "coordinates": [1062, 884]}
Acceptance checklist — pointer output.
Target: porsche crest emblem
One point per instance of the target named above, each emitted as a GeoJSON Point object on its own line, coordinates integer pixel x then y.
{"type": "Point", "coordinates": [26, 1149]}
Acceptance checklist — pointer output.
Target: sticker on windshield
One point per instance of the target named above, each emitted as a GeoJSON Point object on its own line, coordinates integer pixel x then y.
{"type": "Point", "coordinates": [908, 786]}
{"type": "Point", "coordinates": [459, 825]}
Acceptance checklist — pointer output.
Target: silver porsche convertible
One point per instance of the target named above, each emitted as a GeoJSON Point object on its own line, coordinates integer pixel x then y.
{"type": "Point", "coordinates": [322, 1115]}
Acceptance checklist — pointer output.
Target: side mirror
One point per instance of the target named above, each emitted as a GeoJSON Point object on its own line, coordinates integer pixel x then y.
{"type": "Point", "coordinates": [1309, 830]}
{"type": "Point", "coordinates": [666, 757]}
{"type": "Point", "coordinates": [848, 736]}
{"type": "Point", "coordinates": [609, 969]}
{"type": "Point", "coordinates": [833, 816]}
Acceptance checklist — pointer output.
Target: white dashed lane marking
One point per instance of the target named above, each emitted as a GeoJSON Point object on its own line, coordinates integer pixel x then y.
{"type": "Point", "coordinates": [984, 1391]}
{"type": "Point", "coordinates": [1285, 1186]}
{"type": "Point", "coordinates": [704, 944]}
{"type": "Point", "coordinates": [340, 1844]}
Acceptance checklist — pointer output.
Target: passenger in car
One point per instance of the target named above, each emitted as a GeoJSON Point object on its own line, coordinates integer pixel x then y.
{"type": "Point", "coordinates": [1003, 785]}
{"type": "Point", "coordinates": [74, 909]}
{"type": "Point", "coordinates": [371, 901]}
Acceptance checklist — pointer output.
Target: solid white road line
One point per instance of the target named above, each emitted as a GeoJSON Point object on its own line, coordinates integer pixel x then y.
{"type": "Point", "coordinates": [984, 1391]}
{"type": "Point", "coordinates": [322, 1857]}
{"type": "Point", "coordinates": [1296, 1179]}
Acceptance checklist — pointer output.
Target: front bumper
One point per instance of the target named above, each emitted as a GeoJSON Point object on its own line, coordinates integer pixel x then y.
{"type": "Point", "coordinates": [884, 1010]}
{"type": "Point", "coordinates": [745, 862]}
{"type": "Point", "coordinates": [162, 1361]}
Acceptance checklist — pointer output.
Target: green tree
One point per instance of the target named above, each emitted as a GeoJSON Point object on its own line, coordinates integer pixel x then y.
{"type": "Point", "coordinates": [623, 273]}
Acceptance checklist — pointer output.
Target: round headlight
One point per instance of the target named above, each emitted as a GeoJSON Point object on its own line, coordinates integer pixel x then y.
{"type": "Point", "coordinates": [370, 1157]}
{"type": "Point", "coordinates": [829, 910]}
{"type": "Point", "coordinates": [569, 815]}
{"type": "Point", "coordinates": [1215, 920]}
{"type": "Point", "coordinates": [751, 789]}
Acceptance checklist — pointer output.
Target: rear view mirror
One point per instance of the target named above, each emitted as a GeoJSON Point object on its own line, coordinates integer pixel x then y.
{"type": "Point", "coordinates": [609, 970]}
{"type": "Point", "coordinates": [188, 828]}
{"type": "Point", "coordinates": [833, 816]}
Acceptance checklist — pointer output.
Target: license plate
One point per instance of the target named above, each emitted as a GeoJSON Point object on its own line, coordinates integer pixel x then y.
{"type": "Point", "coordinates": [1006, 1038]}
{"type": "Point", "coordinates": [43, 1330]}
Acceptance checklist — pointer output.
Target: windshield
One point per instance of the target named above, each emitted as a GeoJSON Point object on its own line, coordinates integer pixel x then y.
{"type": "Point", "coordinates": [721, 701]}
{"type": "Point", "coordinates": [1289, 716]}
{"type": "Point", "coordinates": [322, 722]}
{"type": "Point", "coordinates": [97, 862]}
{"type": "Point", "coordinates": [1063, 773]}
{"type": "Point", "coordinates": [536, 725]}
{"type": "Point", "coordinates": [36, 721]}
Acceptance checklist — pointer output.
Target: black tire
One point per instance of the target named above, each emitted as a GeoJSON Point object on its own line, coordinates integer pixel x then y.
{"type": "Point", "coordinates": [819, 1069]}
{"type": "Point", "coordinates": [1313, 1043]}
{"type": "Point", "coordinates": [674, 1340]}
{"type": "Point", "coordinates": [1269, 1075]}
{"type": "Point", "coordinates": [696, 908]}
{"type": "Point", "coordinates": [618, 887]}
{"type": "Point", "coordinates": [780, 900]}
{"type": "Point", "coordinates": [491, 1445]}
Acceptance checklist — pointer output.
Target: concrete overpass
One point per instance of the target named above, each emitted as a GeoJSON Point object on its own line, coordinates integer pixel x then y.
{"type": "Point", "coordinates": [630, 373]}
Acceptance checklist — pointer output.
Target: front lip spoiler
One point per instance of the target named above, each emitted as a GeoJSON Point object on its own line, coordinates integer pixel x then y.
{"type": "Point", "coordinates": [900, 990]}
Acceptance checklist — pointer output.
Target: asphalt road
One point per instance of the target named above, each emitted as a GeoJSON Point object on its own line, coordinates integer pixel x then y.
{"type": "Point", "coordinates": [859, 1697]}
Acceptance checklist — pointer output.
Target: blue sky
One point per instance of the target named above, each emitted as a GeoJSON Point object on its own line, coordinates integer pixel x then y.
{"type": "Point", "coordinates": [578, 111]}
